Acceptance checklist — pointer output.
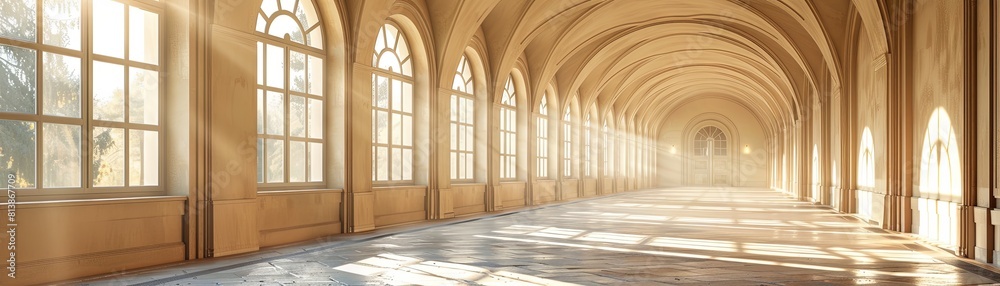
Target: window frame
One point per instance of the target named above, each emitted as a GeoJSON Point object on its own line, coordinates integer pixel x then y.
{"type": "Point", "coordinates": [402, 77]}
{"type": "Point", "coordinates": [567, 157]}
{"type": "Point", "coordinates": [508, 106]}
{"type": "Point", "coordinates": [587, 149]}
{"type": "Point", "coordinates": [609, 150]}
{"type": "Point", "coordinates": [86, 121]}
{"type": "Point", "coordinates": [288, 46]}
{"type": "Point", "coordinates": [457, 96]}
{"type": "Point", "coordinates": [542, 140]}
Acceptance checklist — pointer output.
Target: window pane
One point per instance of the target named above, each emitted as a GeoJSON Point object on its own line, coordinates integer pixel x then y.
{"type": "Point", "coordinates": [109, 28]}
{"type": "Point", "coordinates": [17, 78]}
{"type": "Point", "coordinates": [382, 161]}
{"type": "Point", "coordinates": [397, 131]}
{"type": "Point", "coordinates": [108, 167]}
{"type": "Point", "coordinates": [18, 17]}
{"type": "Point", "coordinates": [60, 23]}
{"type": "Point", "coordinates": [61, 95]}
{"type": "Point", "coordinates": [143, 158]}
{"type": "Point", "coordinates": [275, 113]}
{"type": "Point", "coordinates": [296, 71]}
{"type": "Point", "coordinates": [407, 164]}
{"type": "Point", "coordinates": [144, 36]}
{"type": "Point", "coordinates": [109, 89]}
{"type": "Point", "coordinates": [407, 130]}
{"type": "Point", "coordinates": [397, 94]}
{"type": "Point", "coordinates": [468, 166]}
{"type": "Point", "coordinates": [275, 161]}
{"type": "Point", "coordinates": [61, 157]}
{"type": "Point", "coordinates": [296, 161]}
{"type": "Point", "coordinates": [144, 95]}
{"type": "Point", "coordinates": [396, 164]}
{"type": "Point", "coordinates": [315, 162]}
{"type": "Point", "coordinates": [297, 116]}
{"type": "Point", "coordinates": [469, 138]}
{"type": "Point", "coordinates": [17, 152]}
{"type": "Point", "coordinates": [275, 66]}
{"type": "Point", "coordinates": [381, 97]}
{"type": "Point", "coordinates": [260, 111]}
{"type": "Point", "coordinates": [382, 123]}
{"type": "Point", "coordinates": [315, 119]}
{"type": "Point", "coordinates": [407, 97]}
{"type": "Point", "coordinates": [315, 75]}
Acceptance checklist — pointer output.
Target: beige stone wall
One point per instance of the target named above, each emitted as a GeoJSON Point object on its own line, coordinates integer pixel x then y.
{"type": "Point", "coordinates": [749, 169]}
{"type": "Point", "coordinates": [938, 114]}
{"type": "Point", "coordinates": [871, 83]}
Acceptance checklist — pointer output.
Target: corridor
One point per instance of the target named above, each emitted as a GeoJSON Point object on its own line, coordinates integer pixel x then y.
{"type": "Point", "coordinates": [652, 237]}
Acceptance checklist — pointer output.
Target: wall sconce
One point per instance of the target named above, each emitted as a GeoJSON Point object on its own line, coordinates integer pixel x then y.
{"type": "Point", "coordinates": [746, 149]}
{"type": "Point", "coordinates": [673, 149]}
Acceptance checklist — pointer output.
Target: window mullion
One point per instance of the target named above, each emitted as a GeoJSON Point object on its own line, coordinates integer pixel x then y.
{"type": "Point", "coordinates": [287, 98]}
{"type": "Point", "coordinates": [87, 95]}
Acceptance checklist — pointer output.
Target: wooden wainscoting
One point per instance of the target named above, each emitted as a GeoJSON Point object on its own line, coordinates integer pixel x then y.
{"type": "Point", "coordinates": [61, 240]}
{"type": "Point", "coordinates": [399, 204]}
{"type": "Point", "coordinates": [469, 198]}
{"type": "Point", "coordinates": [292, 216]}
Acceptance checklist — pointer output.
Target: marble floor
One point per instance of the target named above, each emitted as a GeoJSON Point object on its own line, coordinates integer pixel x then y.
{"type": "Point", "coordinates": [650, 237]}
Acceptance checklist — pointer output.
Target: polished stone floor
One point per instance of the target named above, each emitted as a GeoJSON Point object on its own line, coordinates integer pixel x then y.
{"type": "Point", "coordinates": [650, 237]}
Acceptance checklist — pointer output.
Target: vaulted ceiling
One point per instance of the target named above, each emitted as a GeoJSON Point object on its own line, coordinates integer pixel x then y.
{"type": "Point", "coordinates": [639, 58]}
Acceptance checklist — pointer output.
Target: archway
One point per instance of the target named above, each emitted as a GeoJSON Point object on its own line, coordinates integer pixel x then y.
{"type": "Point", "coordinates": [710, 162]}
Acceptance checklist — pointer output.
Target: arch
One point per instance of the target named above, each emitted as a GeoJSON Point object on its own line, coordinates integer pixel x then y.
{"type": "Point", "coordinates": [509, 124]}
{"type": "Point", "coordinates": [291, 99]}
{"type": "Point", "coordinates": [399, 109]}
{"type": "Point", "coordinates": [463, 123]}
{"type": "Point", "coordinates": [483, 104]}
{"type": "Point", "coordinates": [712, 167]}
{"type": "Point", "coordinates": [542, 157]}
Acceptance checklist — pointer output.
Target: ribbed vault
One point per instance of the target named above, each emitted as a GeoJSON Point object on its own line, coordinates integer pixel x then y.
{"type": "Point", "coordinates": [632, 57]}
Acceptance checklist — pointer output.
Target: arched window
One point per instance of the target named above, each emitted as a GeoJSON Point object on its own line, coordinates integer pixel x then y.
{"type": "Point", "coordinates": [608, 150]}
{"type": "Point", "coordinates": [462, 123]}
{"type": "Point", "coordinates": [290, 97]}
{"type": "Point", "coordinates": [508, 131]}
{"type": "Point", "coordinates": [51, 106]}
{"type": "Point", "coordinates": [567, 145]}
{"type": "Point", "coordinates": [392, 107]}
{"type": "Point", "coordinates": [587, 147]}
{"type": "Point", "coordinates": [543, 138]}
{"type": "Point", "coordinates": [710, 141]}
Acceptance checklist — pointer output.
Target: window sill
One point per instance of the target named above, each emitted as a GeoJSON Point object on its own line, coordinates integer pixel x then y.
{"type": "Point", "coordinates": [399, 187]}
{"type": "Point", "coordinates": [307, 191]}
{"type": "Point", "coordinates": [101, 201]}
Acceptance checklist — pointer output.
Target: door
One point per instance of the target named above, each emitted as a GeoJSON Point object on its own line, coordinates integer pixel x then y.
{"type": "Point", "coordinates": [710, 161]}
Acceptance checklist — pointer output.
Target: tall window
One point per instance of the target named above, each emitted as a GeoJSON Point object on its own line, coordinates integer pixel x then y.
{"type": "Point", "coordinates": [543, 138]}
{"type": "Point", "coordinates": [392, 107]}
{"type": "Point", "coordinates": [508, 132]}
{"type": "Point", "coordinates": [51, 106]}
{"type": "Point", "coordinates": [462, 123]}
{"type": "Point", "coordinates": [567, 145]}
{"type": "Point", "coordinates": [586, 148]}
{"type": "Point", "coordinates": [290, 99]}
{"type": "Point", "coordinates": [609, 150]}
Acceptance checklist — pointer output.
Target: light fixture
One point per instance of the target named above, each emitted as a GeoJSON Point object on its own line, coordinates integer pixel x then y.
{"type": "Point", "coordinates": [673, 149]}
{"type": "Point", "coordinates": [746, 149]}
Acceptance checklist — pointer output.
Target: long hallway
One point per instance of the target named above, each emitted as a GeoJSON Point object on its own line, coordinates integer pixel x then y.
{"type": "Point", "coordinates": [654, 237]}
